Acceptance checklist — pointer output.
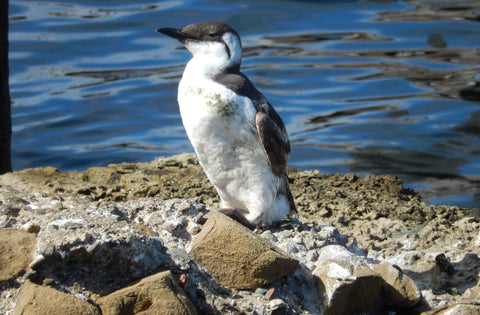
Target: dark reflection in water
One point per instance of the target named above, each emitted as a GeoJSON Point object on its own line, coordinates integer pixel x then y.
{"type": "Point", "coordinates": [385, 87]}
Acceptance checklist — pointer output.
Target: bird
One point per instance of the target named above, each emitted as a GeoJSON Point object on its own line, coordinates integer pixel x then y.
{"type": "Point", "coordinates": [240, 140]}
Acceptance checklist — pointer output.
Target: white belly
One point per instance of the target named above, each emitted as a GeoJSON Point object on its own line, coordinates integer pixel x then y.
{"type": "Point", "coordinates": [221, 128]}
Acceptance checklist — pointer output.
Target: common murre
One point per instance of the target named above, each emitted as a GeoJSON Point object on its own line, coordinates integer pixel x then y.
{"type": "Point", "coordinates": [240, 140]}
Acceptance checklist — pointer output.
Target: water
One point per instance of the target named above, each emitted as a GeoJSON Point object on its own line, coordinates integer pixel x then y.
{"type": "Point", "coordinates": [381, 87]}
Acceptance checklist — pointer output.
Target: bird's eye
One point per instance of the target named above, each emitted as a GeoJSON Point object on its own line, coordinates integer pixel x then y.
{"type": "Point", "coordinates": [216, 34]}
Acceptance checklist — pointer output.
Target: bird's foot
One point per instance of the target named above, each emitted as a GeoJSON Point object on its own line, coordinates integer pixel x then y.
{"type": "Point", "coordinates": [236, 215]}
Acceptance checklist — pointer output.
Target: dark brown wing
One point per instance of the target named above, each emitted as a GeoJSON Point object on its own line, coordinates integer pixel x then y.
{"type": "Point", "coordinates": [270, 127]}
{"type": "Point", "coordinates": [274, 138]}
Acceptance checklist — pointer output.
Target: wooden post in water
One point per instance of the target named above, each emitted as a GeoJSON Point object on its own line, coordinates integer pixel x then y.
{"type": "Point", "coordinates": [5, 112]}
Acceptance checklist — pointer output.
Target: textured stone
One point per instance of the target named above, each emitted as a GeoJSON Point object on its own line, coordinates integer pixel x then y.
{"type": "Point", "coordinates": [473, 293]}
{"type": "Point", "coordinates": [157, 294]}
{"type": "Point", "coordinates": [236, 256]}
{"type": "Point", "coordinates": [118, 242]}
{"type": "Point", "coordinates": [35, 299]}
{"type": "Point", "coordinates": [346, 285]}
{"type": "Point", "coordinates": [339, 254]}
{"type": "Point", "coordinates": [16, 252]}
{"type": "Point", "coordinates": [398, 289]}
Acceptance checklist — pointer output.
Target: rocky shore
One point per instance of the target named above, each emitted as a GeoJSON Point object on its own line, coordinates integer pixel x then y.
{"type": "Point", "coordinates": [144, 238]}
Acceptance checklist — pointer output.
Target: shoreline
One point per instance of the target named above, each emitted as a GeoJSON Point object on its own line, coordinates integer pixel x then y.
{"type": "Point", "coordinates": [388, 223]}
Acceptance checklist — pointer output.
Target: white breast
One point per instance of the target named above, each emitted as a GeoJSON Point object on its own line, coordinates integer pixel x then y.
{"type": "Point", "coordinates": [221, 128]}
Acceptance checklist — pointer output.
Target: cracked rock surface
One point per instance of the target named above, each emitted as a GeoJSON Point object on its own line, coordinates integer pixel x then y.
{"type": "Point", "coordinates": [92, 234]}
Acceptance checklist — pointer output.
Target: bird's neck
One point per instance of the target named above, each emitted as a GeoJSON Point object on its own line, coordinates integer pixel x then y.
{"type": "Point", "coordinates": [205, 67]}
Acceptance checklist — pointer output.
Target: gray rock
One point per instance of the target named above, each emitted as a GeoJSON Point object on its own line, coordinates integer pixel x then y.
{"type": "Point", "coordinates": [346, 283]}
{"type": "Point", "coordinates": [399, 290]}
{"type": "Point", "coordinates": [180, 257]}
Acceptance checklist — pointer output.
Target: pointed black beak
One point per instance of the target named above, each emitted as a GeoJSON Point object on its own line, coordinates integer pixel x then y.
{"type": "Point", "coordinates": [173, 33]}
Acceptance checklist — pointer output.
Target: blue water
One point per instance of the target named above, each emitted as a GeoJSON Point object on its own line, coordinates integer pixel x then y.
{"type": "Point", "coordinates": [380, 87]}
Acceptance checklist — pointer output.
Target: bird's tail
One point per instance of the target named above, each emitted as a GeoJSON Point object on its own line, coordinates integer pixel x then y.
{"type": "Point", "coordinates": [285, 190]}
{"type": "Point", "coordinates": [282, 206]}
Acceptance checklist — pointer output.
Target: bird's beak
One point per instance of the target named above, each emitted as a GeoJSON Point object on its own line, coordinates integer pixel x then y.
{"type": "Point", "coordinates": [173, 33]}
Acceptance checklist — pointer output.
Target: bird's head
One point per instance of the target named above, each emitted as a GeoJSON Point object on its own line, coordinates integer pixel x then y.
{"type": "Point", "coordinates": [215, 43]}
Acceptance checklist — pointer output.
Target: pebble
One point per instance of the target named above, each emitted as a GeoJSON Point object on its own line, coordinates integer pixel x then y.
{"type": "Point", "coordinates": [31, 227]}
{"type": "Point", "coordinates": [270, 294]}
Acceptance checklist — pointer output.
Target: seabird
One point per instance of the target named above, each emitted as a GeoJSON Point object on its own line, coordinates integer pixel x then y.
{"type": "Point", "coordinates": [240, 140]}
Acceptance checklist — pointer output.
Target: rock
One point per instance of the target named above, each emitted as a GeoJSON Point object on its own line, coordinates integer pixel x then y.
{"type": "Point", "coordinates": [157, 294]}
{"type": "Point", "coordinates": [100, 246]}
{"type": "Point", "coordinates": [399, 290]}
{"type": "Point", "coordinates": [460, 308]}
{"type": "Point", "coordinates": [101, 229]}
{"type": "Point", "coordinates": [236, 256]}
{"type": "Point", "coordinates": [16, 252]}
{"type": "Point", "coordinates": [453, 276]}
{"type": "Point", "coordinates": [95, 259]}
{"type": "Point", "coordinates": [443, 264]}
{"type": "Point", "coordinates": [35, 299]}
{"type": "Point", "coordinates": [31, 227]}
{"type": "Point", "coordinates": [473, 293]}
{"type": "Point", "coordinates": [277, 307]}
{"type": "Point", "coordinates": [270, 294]}
{"type": "Point", "coordinates": [346, 284]}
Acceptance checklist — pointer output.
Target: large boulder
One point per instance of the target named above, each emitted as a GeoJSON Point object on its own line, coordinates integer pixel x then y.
{"type": "Point", "coordinates": [157, 294]}
{"type": "Point", "coordinates": [236, 256]}
{"type": "Point", "coordinates": [399, 290]}
{"type": "Point", "coordinates": [345, 282]}
{"type": "Point", "coordinates": [35, 299]}
{"type": "Point", "coordinates": [16, 252]}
